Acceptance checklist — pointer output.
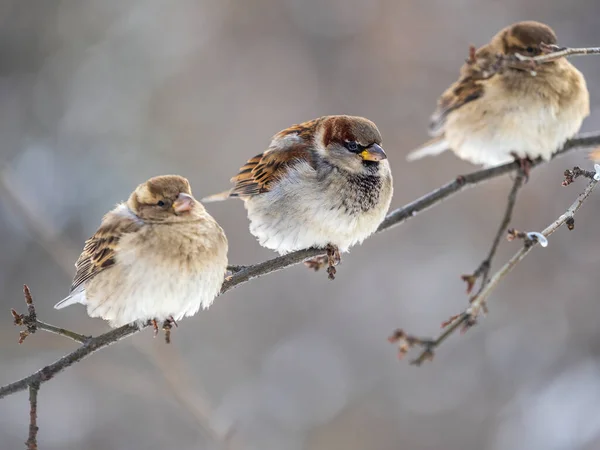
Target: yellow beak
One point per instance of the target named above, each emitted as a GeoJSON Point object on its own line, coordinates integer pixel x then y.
{"type": "Point", "coordinates": [373, 153]}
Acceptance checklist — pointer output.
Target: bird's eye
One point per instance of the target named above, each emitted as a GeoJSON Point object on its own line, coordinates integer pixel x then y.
{"type": "Point", "coordinates": [352, 146]}
{"type": "Point", "coordinates": [160, 203]}
{"type": "Point", "coordinates": [530, 49]}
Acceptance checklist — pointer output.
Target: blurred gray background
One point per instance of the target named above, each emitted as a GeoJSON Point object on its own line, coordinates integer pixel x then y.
{"type": "Point", "coordinates": [97, 96]}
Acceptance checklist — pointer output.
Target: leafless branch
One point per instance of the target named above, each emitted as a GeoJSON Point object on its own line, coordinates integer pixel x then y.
{"type": "Point", "coordinates": [63, 251]}
{"type": "Point", "coordinates": [32, 324]}
{"type": "Point", "coordinates": [483, 270]}
{"type": "Point", "coordinates": [243, 274]}
{"type": "Point", "coordinates": [553, 53]}
{"type": "Point", "coordinates": [468, 317]}
{"type": "Point", "coordinates": [483, 68]}
{"type": "Point", "coordinates": [50, 371]}
{"type": "Point", "coordinates": [33, 428]}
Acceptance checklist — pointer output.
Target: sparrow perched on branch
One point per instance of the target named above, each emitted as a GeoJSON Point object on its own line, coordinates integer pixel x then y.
{"type": "Point", "coordinates": [157, 257]}
{"type": "Point", "coordinates": [492, 116]}
{"type": "Point", "coordinates": [325, 183]}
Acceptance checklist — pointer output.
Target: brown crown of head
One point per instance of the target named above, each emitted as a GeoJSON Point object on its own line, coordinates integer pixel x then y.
{"type": "Point", "coordinates": [524, 38]}
{"type": "Point", "coordinates": [341, 129]}
{"type": "Point", "coordinates": [164, 188]}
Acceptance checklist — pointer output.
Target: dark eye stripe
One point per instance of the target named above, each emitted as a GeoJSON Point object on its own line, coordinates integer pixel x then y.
{"type": "Point", "coordinates": [354, 147]}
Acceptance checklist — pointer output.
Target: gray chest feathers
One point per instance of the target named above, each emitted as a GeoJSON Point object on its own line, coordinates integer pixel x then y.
{"type": "Point", "coordinates": [353, 193]}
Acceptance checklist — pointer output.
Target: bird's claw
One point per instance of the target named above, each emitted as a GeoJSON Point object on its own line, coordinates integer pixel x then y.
{"type": "Point", "coordinates": [524, 165]}
{"type": "Point", "coordinates": [331, 259]}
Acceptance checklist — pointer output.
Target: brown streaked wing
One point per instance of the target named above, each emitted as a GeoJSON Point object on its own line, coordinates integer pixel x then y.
{"type": "Point", "coordinates": [99, 250]}
{"type": "Point", "coordinates": [287, 147]}
{"type": "Point", "coordinates": [259, 173]}
{"type": "Point", "coordinates": [456, 96]}
{"type": "Point", "coordinates": [469, 87]}
{"type": "Point", "coordinates": [303, 130]}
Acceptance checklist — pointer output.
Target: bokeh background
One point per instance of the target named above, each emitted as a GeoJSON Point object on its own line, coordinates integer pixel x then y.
{"type": "Point", "coordinates": [98, 95]}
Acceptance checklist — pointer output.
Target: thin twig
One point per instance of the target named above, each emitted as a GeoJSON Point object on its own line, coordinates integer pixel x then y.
{"type": "Point", "coordinates": [572, 174]}
{"type": "Point", "coordinates": [33, 428]}
{"type": "Point", "coordinates": [59, 248]}
{"type": "Point", "coordinates": [483, 270]}
{"type": "Point", "coordinates": [518, 257]}
{"type": "Point", "coordinates": [559, 53]}
{"type": "Point", "coordinates": [468, 317]}
{"type": "Point", "coordinates": [48, 372]}
{"type": "Point", "coordinates": [410, 210]}
{"type": "Point", "coordinates": [32, 324]}
{"type": "Point", "coordinates": [82, 339]}
{"type": "Point", "coordinates": [248, 273]}
{"type": "Point", "coordinates": [486, 67]}
{"type": "Point", "coordinates": [401, 215]}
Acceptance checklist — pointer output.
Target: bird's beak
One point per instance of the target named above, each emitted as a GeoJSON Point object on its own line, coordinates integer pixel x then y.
{"type": "Point", "coordinates": [373, 153]}
{"type": "Point", "coordinates": [184, 203]}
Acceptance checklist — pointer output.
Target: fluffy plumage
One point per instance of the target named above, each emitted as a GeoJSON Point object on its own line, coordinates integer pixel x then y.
{"type": "Point", "coordinates": [326, 182]}
{"type": "Point", "coordinates": [159, 256]}
{"type": "Point", "coordinates": [489, 121]}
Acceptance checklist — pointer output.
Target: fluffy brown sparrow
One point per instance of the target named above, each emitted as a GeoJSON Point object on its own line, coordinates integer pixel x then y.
{"type": "Point", "coordinates": [157, 257]}
{"type": "Point", "coordinates": [325, 183]}
{"type": "Point", "coordinates": [516, 113]}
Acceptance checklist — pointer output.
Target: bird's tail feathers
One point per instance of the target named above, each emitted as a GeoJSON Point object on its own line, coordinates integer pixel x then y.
{"type": "Point", "coordinates": [432, 147]}
{"type": "Point", "coordinates": [75, 297]}
{"type": "Point", "coordinates": [217, 197]}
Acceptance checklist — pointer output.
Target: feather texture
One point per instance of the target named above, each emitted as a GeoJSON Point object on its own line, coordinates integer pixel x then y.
{"type": "Point", "coordinates": [99, 250]}
{"type": "Point", "coordinates": [321, 182]}
{"type": "Point", "coordinates": [158, 256]}
{"type": "Point", "coordinates": [489, 116]}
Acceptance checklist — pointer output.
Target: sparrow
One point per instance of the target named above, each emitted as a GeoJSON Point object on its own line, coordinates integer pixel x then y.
{"type": "Point", "coordinates": [325, 183]}
{"type": "Point", "coordinates": [518, 112]}
{"type": "Point", "coordinates": [157, 257]}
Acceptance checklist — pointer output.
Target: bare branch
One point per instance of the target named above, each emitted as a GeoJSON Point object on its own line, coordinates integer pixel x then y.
{"type": "Point", "coordinates": [468, 317]}
{"type": "Point", "coordinates": [485, 67]}
{"type": "Point", "coordinates": [33, 428]}
{"type": "Point", "coordinates": [401, 215]}
{"type": "Point", "coordinates": [518, 257]}
{"type": "Point", "coordinates": [90, 347]}
{"type": "Point", "coordinates": [553, 53]}
{"type": "Point", "coordinates": [32, 324]}
{"type": "Point", "coordinates": [82, 339]}
{"type": "Point", "coordinates": [243, 274]}
{"type": "Point", "coordinates": [483, 270]}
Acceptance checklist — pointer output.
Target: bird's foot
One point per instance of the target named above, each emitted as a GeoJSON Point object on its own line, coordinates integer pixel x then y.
{"type": "Point", "coordinates": [524, 165]}
{"type": "Point", "coordinates": [167, 326]}
{"type": "Point", "coordinates": [333, 259]}
{"type": "Point", "coordinates": [154, 325]}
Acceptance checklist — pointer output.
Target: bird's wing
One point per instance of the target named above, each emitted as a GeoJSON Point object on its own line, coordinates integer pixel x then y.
{"type": "Point", "coordinates": [259, 173]}
{"type": "Point", "coordinates": [99, 250]}
{"type": "Point", "coordinates": [288, 147]}
{"type": "Point", "coordinates": [470, 86]}
{"type": "Point", "coordinates": [459, 94]}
